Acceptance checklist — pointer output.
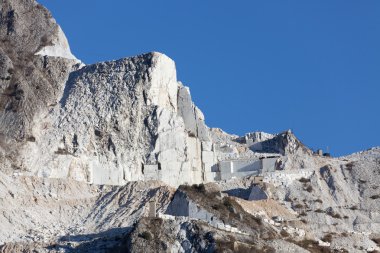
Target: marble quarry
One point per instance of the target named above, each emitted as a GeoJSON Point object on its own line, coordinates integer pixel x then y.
{"type": "Point", "coordinates": [245, 167]}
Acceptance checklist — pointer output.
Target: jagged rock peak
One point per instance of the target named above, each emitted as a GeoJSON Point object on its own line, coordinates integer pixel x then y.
{"type": "Point", "coordinates": [31, 80]}
{"type": "Point", "coordinates": [28, 28]}
{"type": "Point", "coordinates": [284, 143]}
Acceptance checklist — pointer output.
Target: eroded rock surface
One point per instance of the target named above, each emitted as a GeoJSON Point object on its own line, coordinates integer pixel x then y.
{"type": "Point", "coordinates": [30, 84]}
{"type": "Point", "coordinates": [86, 151]}
{"type": "Point", "coordinates": [107, 123]}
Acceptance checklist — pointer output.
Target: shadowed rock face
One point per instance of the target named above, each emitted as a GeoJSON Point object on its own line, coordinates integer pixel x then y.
{"type": "Point", "coordinates": [29, 84]}
{"type": "Point", "coordinates": [283, 143]}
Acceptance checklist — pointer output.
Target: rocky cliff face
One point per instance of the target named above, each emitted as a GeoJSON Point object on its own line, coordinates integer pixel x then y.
{"type": "Point", "coordinates": [106, 123]}
{"type": "Point", "coordinates": [83, 148]}
{"type": "Point", "coordinates": [30, 83]}
{"type": "Point", "coordinates": [121, 121]}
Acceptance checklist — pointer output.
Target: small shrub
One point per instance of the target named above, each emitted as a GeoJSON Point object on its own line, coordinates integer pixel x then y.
{"type": "Point", "coordinates": [335, 215]}
{"type": "Point", "coordinates": [284, 233]}
{"type": "Point", "coordinates": [309, 188]}
{"type": "Point", "coordinates": [61, 151]}
{"type": "Point", "coordinates": [146, 235]}
{"type": "Point", "coordinates": [354, 207]}
{"type": "Point", "coordinates": [318, 200]}
{"type": "Point", "coordinates": [304, 180]}
{"type": "Point", "coordinates": [98, 133]}
{"type": "Point", "coordinates": [327, 238]}
{"type": "Point", "coordinates": [349, 166]}
{"type": "Point", "coordinates": [31, 139]}
{"type": "Point", "coordinates": [298, 206]}
{"type": "Point", "coordinates": [227, 203]}
{"type": "Point", "coordinates": [377, 196]}
{"type": "Point", "coordinates": [199, 187]}
{"type": "Point", "coordinates": [215, 207]}
{"type": "Point", "coordinates": [346, 217]}
{"type": "Point", "coordinates": [258, 220]}
{"type": "Point", "coordinates": [304, 221]}
{"type": "Point", "coordinates": [303, 214]}
{"type": "Point", "coordinates": [319, 211]}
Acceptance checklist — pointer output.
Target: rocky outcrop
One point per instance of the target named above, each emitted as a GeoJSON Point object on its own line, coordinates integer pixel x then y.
{"type": "Point", "coordinates": [120, 127]}
{"type": "Point", "coordinates": [121, 121]}
{"type": "Point", "coordinates": [64, 212]}
{"type": "Point", "coordinates": [30, 84]}
{"type": "Point", "coordinates": [283, 143]}
{"type": "Point", "coordinates": [107, 123]}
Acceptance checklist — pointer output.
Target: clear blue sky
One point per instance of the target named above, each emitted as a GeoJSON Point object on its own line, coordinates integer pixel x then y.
{"type": "Point", "coordinates": [312, 66]}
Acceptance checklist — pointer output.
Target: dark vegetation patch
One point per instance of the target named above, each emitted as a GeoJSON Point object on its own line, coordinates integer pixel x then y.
{"type": "Point", "coordinates": [31, 139]}
{"type": "Point", "coordinates": [349, 166]}
{"type": "Point", "coordinates": [229, 205]}
{"type": "Point", "coordinates": [98, 133]}
{"type": "Point", "coordinates": [306, 184]}
{"type": "Point", "coordinates": [304, 180]}
{"type": "Point", "coordinates": [284, 233]}
{"type": "Point", "coordinates": [146, 235]}
{"type": "Point", "coordinates": [335, 215]}
{"type": "Point", "coordinates": [355, 207]}
{"type": "Point", "coordinates": [228, 211]}
{"type": "Point", "coordinates": [303, 214]}
{"type": "Point", "coordinates": [327, 238]}
{"type": "Point", "coordinates": [309, 188]}
{"type": "Point", "coordinates": [199, 187]}
{"type": "Point", "coordinates": [62, 151]}
{"type": "Point", "coordinates": [377, 196]}
{"type": "Point", "coordinates": [298, 206]}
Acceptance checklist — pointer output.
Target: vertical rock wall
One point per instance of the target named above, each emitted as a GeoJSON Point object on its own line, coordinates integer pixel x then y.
{"type": "Point", "coordinates": [122, 121]}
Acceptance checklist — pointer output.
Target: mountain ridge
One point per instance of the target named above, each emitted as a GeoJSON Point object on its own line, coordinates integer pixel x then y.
{"type": "Point", "coordinates": [116, 157]}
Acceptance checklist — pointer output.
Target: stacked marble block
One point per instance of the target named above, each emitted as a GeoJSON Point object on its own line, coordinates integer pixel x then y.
{"type": "Point", "coordinates": [209, 163]}
{"type": "Point", "coordinates": [197, 169]}
{"type": "Point", "coordinates": [245, 167]}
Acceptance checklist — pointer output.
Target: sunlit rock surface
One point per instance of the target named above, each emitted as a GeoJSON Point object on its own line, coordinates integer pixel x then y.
{"type": "Point", "coordinates": [101, 158]}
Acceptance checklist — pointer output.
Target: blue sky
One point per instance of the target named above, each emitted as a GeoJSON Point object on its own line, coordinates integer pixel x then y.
{"type": "Point", "coordinates": [311, 66]}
